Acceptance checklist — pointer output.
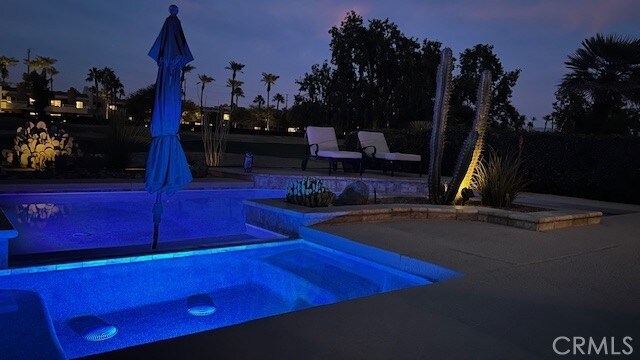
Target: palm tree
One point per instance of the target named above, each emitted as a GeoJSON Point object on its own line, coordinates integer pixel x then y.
{"type": "Point", "coordinates": [42, 63]}
{"type": "Point", "coordinates": [239, 93]}
{"type": "Point", "coordinates": [278, 99]}
{"type": "Point", "coordinates": [234, 84]}
{"type": "Point", "coordinates": [52, 72]}
{"type": "Point", "coordinates": [5, 64]}
{"type": "Point", "coordinates": [259, 100]}
{"type": "Point", "coordinates": [94, 75]}
{"type": "Point", "coordinates": [111, 87]}
{"type": "Point", "coordinates": [546, 119]}
{"type": "Point", "coordinates": [235, 68]}
{"type": "Point", "coordinates": [204, 80]}
{"type": "Point", "coordinates": [607, 69]}
{"type": "Point", "coordinates": [186, 69]}
{"type": "Point", "coordinates": [269, 79]}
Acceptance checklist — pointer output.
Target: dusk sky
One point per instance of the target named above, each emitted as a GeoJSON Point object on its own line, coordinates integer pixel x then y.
{"type": "Point", "coordinates": [287, 37]}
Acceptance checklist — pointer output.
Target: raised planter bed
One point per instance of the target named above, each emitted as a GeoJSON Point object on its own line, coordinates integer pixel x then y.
{"type": "Point", "coordinates": [280, 216]}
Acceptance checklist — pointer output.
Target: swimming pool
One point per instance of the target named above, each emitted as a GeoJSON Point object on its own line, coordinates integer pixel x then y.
{"type": "Point", "coordinates": [151, 298]}
{"type": "Point", "coordinates": [93, 220]}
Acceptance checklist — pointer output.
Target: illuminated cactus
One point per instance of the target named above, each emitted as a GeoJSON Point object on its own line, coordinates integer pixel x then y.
{"type": "Point", "coordinates": [36, 146]}
{"type": "Point", "coordinates": [469, 156]}
{"type": "Point", "coordinates": [440, 111]}
{"type": "Point", "coordinates": [309, 192]}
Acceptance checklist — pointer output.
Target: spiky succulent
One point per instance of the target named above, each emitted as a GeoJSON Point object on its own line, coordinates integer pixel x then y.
{"type": "Point", "coordinates": [309, 192]}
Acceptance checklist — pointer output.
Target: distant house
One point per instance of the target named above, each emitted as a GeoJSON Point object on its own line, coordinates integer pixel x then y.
{"type": "Point", "coordinates": [71, 103]}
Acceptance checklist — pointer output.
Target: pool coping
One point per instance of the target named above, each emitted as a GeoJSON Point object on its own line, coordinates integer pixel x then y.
{"type": "Point", "coordinates": [139, 257]}
{"type": "Point", "coordinates": [93, 185]}
{"type": "Point", "coordinates": [280, 216]}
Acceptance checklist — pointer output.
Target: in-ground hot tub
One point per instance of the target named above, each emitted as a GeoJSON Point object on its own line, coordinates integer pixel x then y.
{"type": "Point", "coordinates": [129, 301]}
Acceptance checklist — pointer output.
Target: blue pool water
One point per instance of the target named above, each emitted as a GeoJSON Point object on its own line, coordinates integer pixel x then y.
{"type": "Point", "coordinates": [77, 221]}
{"type": "Point", "coordinates": [149, 300]}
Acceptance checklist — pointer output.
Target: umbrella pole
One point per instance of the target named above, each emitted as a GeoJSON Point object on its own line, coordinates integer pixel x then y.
{"type": "Point", "coordinates": [157, 215]}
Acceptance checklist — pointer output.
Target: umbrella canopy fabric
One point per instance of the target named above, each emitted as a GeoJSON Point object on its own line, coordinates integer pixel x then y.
{"type": "Point", "coordinates": [167, 169]}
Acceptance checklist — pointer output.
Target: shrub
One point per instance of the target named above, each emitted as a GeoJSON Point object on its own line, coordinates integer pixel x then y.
{"type": "Point", "coordinates": [37, 146]}
{"type": "Point", "coordinates": [602, 167]}
{"type": "Point", "coordinates": [309, 192]}
{"type": "Point", "coordinates": [122, 140]}
{"type": "Point", "coordinates": [499, 179]}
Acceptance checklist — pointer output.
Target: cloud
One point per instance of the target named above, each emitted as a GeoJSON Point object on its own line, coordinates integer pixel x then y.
{"type": "Point", "coordinates": [594, 15]}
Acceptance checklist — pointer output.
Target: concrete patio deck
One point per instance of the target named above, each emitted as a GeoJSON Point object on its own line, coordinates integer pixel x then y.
{"type": "Point", "coordinates": [520, 290]}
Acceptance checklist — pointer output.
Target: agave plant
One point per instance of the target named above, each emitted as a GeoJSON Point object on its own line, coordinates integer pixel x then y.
{"type": "Point", "coordinates": [499, 179]}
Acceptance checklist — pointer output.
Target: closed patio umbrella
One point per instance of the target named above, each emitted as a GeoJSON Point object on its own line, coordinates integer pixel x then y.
{"type": "Point", "coordinates": [167, 170]}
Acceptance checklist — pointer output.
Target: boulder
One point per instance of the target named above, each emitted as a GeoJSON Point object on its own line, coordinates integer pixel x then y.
{"type": "Point", "coordinates": [356, 193]}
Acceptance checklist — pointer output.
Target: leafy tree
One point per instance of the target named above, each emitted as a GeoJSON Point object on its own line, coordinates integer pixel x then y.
{"type": "Point", "coordinates": [606, 70]}
{"type": "Point", "coordinates": [37, 85]}
{"type": "Point", "coordinates": [189, 111]}
{"type": "Point", "coordinates": [243, 117]}
{"type": "Point", "coordinates": [139, 104]}
{"type": "Point", "coordinates": [376, 73]}
{"type": "Point", "coordinates": [568, 109]}
{"type": "Point", "coordinates": [312, 105]}
{"type": "Point", "coordinates": [269, 79]}
{"type": "Point", "coordinates": [429, 61]}
{"type": "Point", "coordinates": [5, 64]}
{"type": "Point", "coordinates": [472, 62]}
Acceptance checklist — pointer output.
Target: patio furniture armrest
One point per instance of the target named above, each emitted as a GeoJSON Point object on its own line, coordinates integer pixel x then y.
{"type": "Point", "coordinates": [317, 148]}
{"type": "Point", "coordinates": [370, 146]}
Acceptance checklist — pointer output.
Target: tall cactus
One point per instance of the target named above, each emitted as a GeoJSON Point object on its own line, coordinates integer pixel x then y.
{"type": "Point", "coordinates": [440, 111]}
{"type": "Point", "coordinates": [472, 148]}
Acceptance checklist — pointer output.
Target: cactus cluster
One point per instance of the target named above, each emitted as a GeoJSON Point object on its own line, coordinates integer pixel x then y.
{"type": "Point", "coordinates": [471, 150]}
{"type": "Point", "coordinates": [440, 112]}
{"type": "Point", "coordinates": [469, 155]}
{"type": "Point", "coordinates": [36, 146]}
{"type": "Point", "coordinates": [309, 192]}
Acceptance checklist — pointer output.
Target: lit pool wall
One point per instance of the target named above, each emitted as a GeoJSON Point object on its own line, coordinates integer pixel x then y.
{"type": "Point", "coordinates": [146, 297]}
{"type": "Point", "coordinates": [76, 221]}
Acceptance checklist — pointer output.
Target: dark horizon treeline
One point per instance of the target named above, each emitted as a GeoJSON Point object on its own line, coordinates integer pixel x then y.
{"type": "Point", "coordinates": [379, 78]}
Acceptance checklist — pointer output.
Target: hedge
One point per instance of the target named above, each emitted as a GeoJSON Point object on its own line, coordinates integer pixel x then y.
{"type": "Point", "coordinates": [587, 166]}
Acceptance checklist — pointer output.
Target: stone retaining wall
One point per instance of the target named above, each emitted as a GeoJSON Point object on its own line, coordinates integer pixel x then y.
{"type": "Point", "coordinates": [279, 216]}
{"type": "Point", "coordinates": [405, 186]}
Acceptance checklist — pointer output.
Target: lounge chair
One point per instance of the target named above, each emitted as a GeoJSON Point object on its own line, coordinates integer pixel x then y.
{"type": "Point", "coordinates": [374, 146]}
{"type": "Point", "coordinates": [323, 145]}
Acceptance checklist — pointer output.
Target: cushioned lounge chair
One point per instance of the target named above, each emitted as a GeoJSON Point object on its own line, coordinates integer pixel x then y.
{"type": "Point", "coordinates": [374, 146]}
{"type": "Point", "coordinates": [323, 145]}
